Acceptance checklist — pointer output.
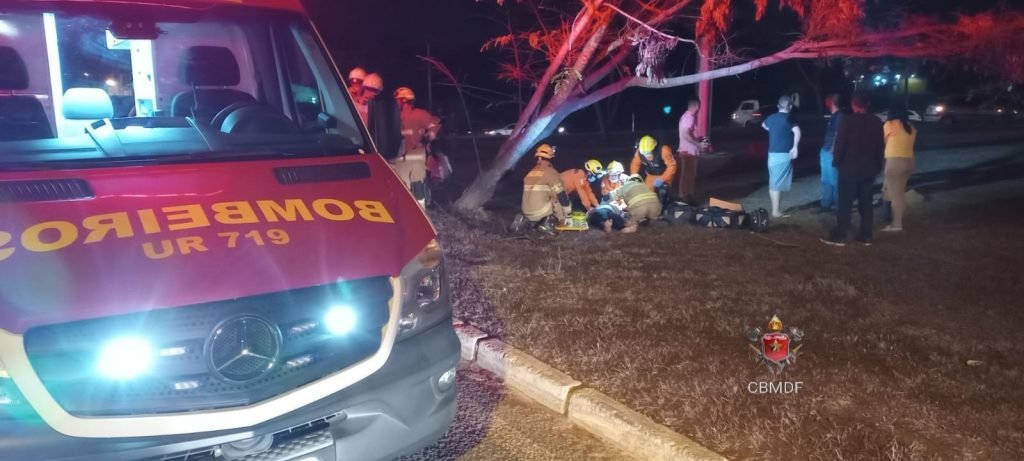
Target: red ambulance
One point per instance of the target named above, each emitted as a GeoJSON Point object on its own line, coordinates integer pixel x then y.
{"type": "Point", "coordinates": [201, 255]}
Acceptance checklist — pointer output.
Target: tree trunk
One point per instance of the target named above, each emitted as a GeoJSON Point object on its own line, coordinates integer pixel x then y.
{"type": "Point", "coordinates": [482, 189]}
{"type": "Point", "coordinates": [704, 91]}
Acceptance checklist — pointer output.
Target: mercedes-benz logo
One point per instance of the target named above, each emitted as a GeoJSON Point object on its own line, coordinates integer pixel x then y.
{"type": "Point", "coordinates": [243, 349]}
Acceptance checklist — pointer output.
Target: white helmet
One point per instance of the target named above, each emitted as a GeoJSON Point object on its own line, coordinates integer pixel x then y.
{"type": "Point", "coordinates": [374, 81]}
{"type": "Point", "coordinates": [357, 74]}
{"type": "Point", "coordinates": [615, 168]}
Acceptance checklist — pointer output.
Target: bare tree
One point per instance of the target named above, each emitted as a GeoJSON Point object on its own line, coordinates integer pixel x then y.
{"type": "Point", "coordinates": [577, 57]}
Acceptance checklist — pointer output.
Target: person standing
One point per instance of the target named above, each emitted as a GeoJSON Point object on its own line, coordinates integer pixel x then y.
{"type": "Point", "coordinates": [859, 153]}
{"type": "Point", "coordinates": [900, 136]}
{"type": "Point", "coordinates": [689, 149]}
{"type": "Point", "coordinates": [355, 81]}
{"type": "Point", "coordinates": [419, 128]}
{"type": "Point", "coordinates": [783, 142]}
{"type": "Point", "coordinates": [829, 174]}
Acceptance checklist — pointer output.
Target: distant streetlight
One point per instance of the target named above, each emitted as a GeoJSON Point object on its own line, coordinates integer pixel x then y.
{"type": "Point", "coordinates": [667, 110]}
{"type": "Point", "coordinates": [111, 83]}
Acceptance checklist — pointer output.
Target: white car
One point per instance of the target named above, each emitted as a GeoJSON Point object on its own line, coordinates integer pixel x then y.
{"type": "Point", "coordinates": [507, 130]}
{"type": "Point", "coordinates": [503, 131]}
{"type": "Point", "coordinates": [914, 116]}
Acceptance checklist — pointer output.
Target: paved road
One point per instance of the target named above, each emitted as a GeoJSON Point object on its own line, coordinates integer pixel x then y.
{"type": "Point", "coordinates": [493, 424]}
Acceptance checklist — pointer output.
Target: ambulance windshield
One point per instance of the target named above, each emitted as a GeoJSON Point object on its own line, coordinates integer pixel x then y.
{"type": "Point", "coordinates": [168, 84]}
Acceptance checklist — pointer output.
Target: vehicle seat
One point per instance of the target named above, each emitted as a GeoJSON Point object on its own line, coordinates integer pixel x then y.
{"type": "Point", "coordinates": [208, 66]}
{"type": "Point", "coordinates": [83, 106]}
{"type": "Point", "coordinates": [21, 117]}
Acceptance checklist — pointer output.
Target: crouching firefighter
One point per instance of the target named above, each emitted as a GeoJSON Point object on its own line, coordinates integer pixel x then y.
{"type": "Point", "coordinates": [419, 128]}
{"type": "Point", "coordinates": [545, 203]}
{"type": "Point", "coordinates": [642, 204]}
{"type": "Point", "coordinates": [583, 183]}
{"type": "Point", "coordinates": [659, 171]}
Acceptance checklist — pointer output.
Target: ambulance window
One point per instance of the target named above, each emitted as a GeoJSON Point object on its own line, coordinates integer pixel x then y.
{"type": "Point", "coordinates": [747, 106]}
{"type": "Point", "coordinates": [305, 91]}
{"type": "Point", "coordinates": [88, 59]}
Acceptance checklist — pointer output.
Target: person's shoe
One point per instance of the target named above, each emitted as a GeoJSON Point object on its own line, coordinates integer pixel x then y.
{"type": "Point", "coordinates": [519, 224]}
{"type": "Point", "coordinates": [864, 242]}
{"type": "Point", "coordinates": [891, 228]}
{"type": "Point", "coordinates": [833, 242]}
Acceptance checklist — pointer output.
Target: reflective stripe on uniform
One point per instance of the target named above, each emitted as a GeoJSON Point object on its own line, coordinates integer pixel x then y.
{"type": "Point", "coordinates": [414, 158]}
{"type": "Point", "coordinates": [645, 197]}
{"type": "Point", "coordinates": [537, 214]}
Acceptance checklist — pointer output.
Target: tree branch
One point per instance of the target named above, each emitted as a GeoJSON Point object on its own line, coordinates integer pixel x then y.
{"type": "Point", "coordinates": [552, 69]}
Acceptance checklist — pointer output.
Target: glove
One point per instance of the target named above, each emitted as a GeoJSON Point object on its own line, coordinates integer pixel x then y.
{"type": "Point", "coordinates": [658, 182]}
{"type": "Point", "coordinates": [568, 211]}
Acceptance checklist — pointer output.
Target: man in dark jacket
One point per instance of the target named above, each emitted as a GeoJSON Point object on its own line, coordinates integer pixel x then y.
{"type": "Point", "coordinates": [859, 157]}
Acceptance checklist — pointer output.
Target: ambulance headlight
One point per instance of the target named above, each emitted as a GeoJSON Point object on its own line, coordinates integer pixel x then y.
{"type": "Point", "coordinates": [424, 287]}
{"type": "Point", "coordinates": [340, 320]}
{"type": "Point", "coordinates": [125, 358]}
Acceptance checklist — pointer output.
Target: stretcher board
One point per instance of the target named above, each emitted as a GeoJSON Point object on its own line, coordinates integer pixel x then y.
{"type": "Point", "coordinates": [571, 228]}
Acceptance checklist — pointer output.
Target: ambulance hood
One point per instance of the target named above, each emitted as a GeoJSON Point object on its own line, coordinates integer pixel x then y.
{"type": "Point", "coordinates": [131, 239]}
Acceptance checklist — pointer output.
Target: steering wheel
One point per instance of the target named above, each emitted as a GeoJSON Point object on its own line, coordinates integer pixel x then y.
{"type": "Point", "coordinates": [253, 117]}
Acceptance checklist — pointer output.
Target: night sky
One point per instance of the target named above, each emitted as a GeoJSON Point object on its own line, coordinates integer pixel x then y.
{"type": "Point", "coordinates": [386, 36]}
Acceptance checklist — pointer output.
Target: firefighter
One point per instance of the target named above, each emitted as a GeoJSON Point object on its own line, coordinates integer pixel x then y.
{"type": "Point", "coordinates": [614, 179]}
{"type": "Point", "coordinates": [419, 128]}
{"type": "Point", "coordinates": [545, 203]}
{"type": "Point", "coordinates": [581, 183]}
{"type": "Point", "coordinates": [355, 81]}
{"type": "Point", "coordinates": [372, 85]}
{"type": "Point", "coordinates": [642, 204]}
{"type": "Point", "coordinates": [659, 171]}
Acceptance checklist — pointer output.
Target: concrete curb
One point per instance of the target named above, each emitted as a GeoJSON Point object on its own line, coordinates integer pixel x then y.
{"type": "Point", "coordinates": [597, 413]}
{"type": "Point", "coordinates": [632, 432]}
{"type": "Point", "coordinates": [546, 385]}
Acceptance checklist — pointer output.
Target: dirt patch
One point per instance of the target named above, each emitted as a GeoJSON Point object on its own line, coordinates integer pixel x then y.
{"type": "Point", "coordinates": [659, 320]}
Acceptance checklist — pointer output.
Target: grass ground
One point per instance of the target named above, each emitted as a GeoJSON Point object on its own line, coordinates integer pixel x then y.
{"type": "Point", "coordinates": [658, 320]}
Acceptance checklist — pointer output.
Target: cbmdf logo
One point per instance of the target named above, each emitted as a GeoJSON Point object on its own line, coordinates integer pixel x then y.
{"type": "Point", "coordinates": [775, 348]}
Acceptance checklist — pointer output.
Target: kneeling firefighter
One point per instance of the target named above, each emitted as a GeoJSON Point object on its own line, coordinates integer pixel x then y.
{"type": "Point", "coordinates": [545, 203]}
{"type": "Point", "coordinates": [613, 180]}
{"type": "Point", "coordinates": [642, 204]}
{"type": "Point", "coordinates": [659, 170]}
{"type": "Point", "coordinates": [419, 128]}
{"type": "Point", "coordinates": [581, 183]}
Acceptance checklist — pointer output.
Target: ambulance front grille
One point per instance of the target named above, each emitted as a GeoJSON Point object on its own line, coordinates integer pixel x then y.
{"type": "Point", "coordinates": [185, 375]}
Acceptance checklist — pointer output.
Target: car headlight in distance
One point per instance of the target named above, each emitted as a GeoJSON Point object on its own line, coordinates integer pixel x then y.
{"type": "Point", "coordinates": [125, 358]}
{"type": "Point", "coordinates": [424, 292]}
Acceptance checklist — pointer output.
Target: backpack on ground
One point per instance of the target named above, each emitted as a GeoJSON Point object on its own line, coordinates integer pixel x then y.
{"type": "Point", "coordinates": [718, 218]}
{"type": "Point", "coordinates": [680, 213]}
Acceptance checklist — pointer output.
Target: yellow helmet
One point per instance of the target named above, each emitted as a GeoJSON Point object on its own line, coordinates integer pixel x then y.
{"type": "Point", "coordinates": [616, 168]}
{"type": "Point", "coordinates": [405, 93]}
{"type": "Point", "coordinates": [647, 145]}
{"type": "Point", "coordinates": [545, 151]}
{"type": "Point", "coordinates": [775, 324]}
{"type": "Point", "coordinates": [594, 167]}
